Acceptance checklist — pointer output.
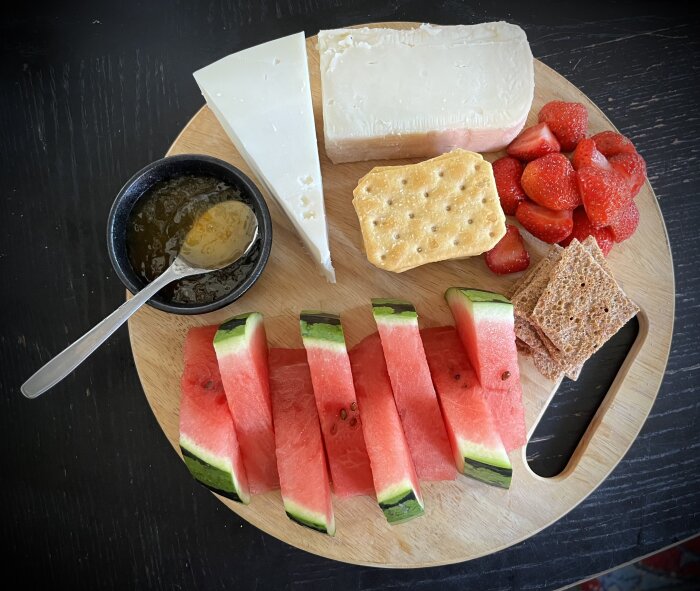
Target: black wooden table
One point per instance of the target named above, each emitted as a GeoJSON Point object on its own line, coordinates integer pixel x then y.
{"type": "Point", "coordinates": [93, 495]}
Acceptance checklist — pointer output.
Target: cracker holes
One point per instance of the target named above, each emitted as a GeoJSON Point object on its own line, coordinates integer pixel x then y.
{"type": "Point", "coordinates": [389, 202]}
{"type": "Point", "coordinates": [368, 189]}
{"type": "Point", "coordinates": [455, 242]}
{"type": "Point", "coordinates": [448, 208]}
{"type": "Point", "coordinates": [426, 194]}
{"type": "Point", "coordinates": [411, 215]}
{"type": "Point", "coordinates": [433, 229]}
{"type": "Point", "coordinates": [375, 222]}
{"type": "Point", "coordinates": [470, 221]}
{"type": "Point", "coordinates": [491, 234]}
{"type": "Point", "coordinates": [462, 187]}
{"type": "Point", "coordinates": [419, 249]}
{"type": "Point", "coordinates": [404, 182]}
{"type": "Point", "coordinates": [441, 174]}
{"type": "Point", "coordinates": [397, 236]}
{"type": "Point", "coordinates": [383, 257]}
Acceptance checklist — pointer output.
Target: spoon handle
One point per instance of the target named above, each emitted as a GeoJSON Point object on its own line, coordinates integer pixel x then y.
{"type": "Point", "coordinates": [71, 357]}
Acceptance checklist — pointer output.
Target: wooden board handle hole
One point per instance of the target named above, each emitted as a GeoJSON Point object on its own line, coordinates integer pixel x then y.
{"type": "Point", "coordinates": [568, 422]}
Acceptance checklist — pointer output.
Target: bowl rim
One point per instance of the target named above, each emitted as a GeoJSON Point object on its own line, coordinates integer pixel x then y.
{"type": "Point", "coordinates": [245, 184]}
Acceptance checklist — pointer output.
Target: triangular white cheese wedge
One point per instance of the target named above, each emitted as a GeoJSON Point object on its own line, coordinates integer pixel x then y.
{"type": "Point", "coordinates": [262, 98]}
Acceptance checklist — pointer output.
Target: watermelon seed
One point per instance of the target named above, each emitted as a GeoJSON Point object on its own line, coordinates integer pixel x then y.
{"type": "Point", "coordinates": [457, 376]}
{"type": "Point", "coordinates": [505, 375]}
{"type": "Point", "coordinates": [334, 428]}
{"type": "Point", "coordinates": [353, 406]}
{"type": "Point", "coordinates": [353, 422]}
{"type": "Point", "coordinates": [209, 385]}
{"type": "Point", "coordinates": [343, 414]}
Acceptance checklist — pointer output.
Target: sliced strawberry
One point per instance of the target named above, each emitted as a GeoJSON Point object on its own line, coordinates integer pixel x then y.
{"type": "Point", "coordinates": [625, 224]}
{"type": "Point", "coordinates": [533, 142]}
{"type": "Point", "coordinates": [586, 154]}
{"type": "Point", "coordinates": [546, 224]}
{"type": "Point", "coordinates": [509, 255]}
{"type": "Point", "coordinates": [633, 168]}
{"type": "Point", "coordinates": [507, 172]}
{"type": "Point", "coordinates": [611, 143]}
{"type": "Point", "coordinates": [550, 181]}
{"type": "Point", "coordinates": [583, 229]}
{"type": "Point", "coordinates": [605, 194]}
{"type": "Point", "coordinates": [568, 122]}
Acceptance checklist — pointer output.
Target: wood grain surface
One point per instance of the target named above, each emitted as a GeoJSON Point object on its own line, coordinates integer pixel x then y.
{"type": "Point", "coordinates": [93, 495]}
{"type": "Point", "coordinates": [463, 519]}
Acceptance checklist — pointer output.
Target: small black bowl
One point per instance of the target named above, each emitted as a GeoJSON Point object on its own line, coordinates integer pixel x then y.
{"type": "Point", "coordinates": [166, 168]}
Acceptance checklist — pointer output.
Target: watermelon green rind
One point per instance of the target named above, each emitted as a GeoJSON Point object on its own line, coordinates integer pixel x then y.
{"type": "Point", "coordinates": [480, 295]}
{"type": "Point", "coordinates": [497, 308]}
{"type": "Point", "coordinates": [402, 510]}
{"type": "Point", "coordinates": [491, 466]}
{"type": "Point", "coordinates": [216, 473]}
{"type": "Point", "coordinates": [322, 328]}
{"type": "Point", "coordinates": [396, 310]}
{"type": "Point", "coordinates": [236, 332]}
{"type": "Point", "coordinates": [400, 502]}
{"type": "Point", "coordinates": [310, 519]}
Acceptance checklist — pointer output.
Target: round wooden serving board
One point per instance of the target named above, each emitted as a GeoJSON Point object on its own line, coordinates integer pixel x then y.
{"type": "Point", "coordinates": [463, 519]}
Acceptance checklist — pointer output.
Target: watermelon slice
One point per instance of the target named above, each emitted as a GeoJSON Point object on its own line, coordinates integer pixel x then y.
{"type": "Point", "coordinates": [413, 388]}
{"type": "Point", "coordinates": [476, 444]}
{"type": "Point", "coordinates": [336, 403]}
{"type": "Point", "coordinates": [485, 324]}
{"type": "Point", "coordinates": [207, 436]}
{"type": "Point", "coordinates": [241, 348]}
{"type": "Point", "coordinates": [306, 490]}
{"type": "Point", "coordinates": [395, 479]}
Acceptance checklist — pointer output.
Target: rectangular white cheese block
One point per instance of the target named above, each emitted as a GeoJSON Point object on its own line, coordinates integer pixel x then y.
{"type": "Point", "coordinates": [262, 98]}
{"type": "Point", "coordinates": [391, 93]}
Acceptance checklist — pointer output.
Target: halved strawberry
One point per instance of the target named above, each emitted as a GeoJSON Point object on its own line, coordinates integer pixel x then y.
{"type": "Point", "coordinates": [583, 229]}
{"type": "Point", "coordinates": [611, 143]}
{"type": "Point", "coordinates": [509, 255]}
{"type": "Point", "coordinates": [546, 224]}
{"type": "Point", "coordinates": [533, 142]}
{"type": "Point", "coordinates": [586, 154]}
{"type": "Point", "coordinates": [625, 224]}
{"type": "Point", "coordinates": [550, 181]}
{"type": "Point", "coordinates": [604, 193]}
{"type": "Point", "coordinates": [633, 168]}
{"type": "Point", "coordinates": [568, 122]}
{"type": "Point", "coordinates": [507, 172]}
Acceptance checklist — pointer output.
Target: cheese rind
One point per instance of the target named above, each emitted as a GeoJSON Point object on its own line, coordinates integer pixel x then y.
{"type": "Point", "coordinates": [390, 93]}
{"type": "Point", "coordinates": [262, 98]}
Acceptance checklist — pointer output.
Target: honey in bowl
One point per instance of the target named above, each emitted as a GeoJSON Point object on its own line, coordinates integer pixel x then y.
{"type": "Point", "coordinates": [158, 229]}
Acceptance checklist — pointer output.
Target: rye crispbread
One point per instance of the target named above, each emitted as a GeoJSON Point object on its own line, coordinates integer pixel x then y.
{"type": "Point", "coordinates": [549, 277]}
{"type": "Point", "coordinates": [549, 368]}
{"type": "Point", "coordinates": [525, 300]}
{"type": "Point", "coordinates": [582, 306]}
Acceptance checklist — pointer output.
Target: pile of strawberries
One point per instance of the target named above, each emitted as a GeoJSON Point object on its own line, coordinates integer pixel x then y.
{"type": "Point", "coordinates": [557, 199]}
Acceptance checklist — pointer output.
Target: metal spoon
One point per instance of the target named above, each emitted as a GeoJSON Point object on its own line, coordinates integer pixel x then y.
{"type": "Point", "coordinates": [237, 229]}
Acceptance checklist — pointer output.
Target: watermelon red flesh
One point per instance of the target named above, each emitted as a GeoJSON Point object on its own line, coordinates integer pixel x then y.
{"type": "Point", "coordinates": [416, 400]}
{"type": "Point", "coordinates": [490, 346]}
{"type": "Point", "coordinates": [335, 397]}
{"type": "Point", "coordinates": [489, 339]}
{"type": "Point", "coordinates": [244, 371]}
{"type": "Point", "coordinates": [389, 454]}
{"type": "Point", "coordinates": [300, 456]}
{"type": "Point", "coordinates": [472, 430]}
{"type": "Point", "coordinates": [207, 434]}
